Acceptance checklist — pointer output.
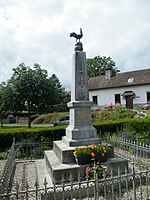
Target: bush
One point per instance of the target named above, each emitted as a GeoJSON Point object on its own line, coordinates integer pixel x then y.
{"type": "Point", "coordinates": [3, 155]}
{"type": "Point", "coordinates": [32, 134]}
{"type": "Point", "coordinates": [132, 127]}
{"type": "Point", "coordinates": [113, 114]}
{"type": "Point", "coordinates": [138, 127]}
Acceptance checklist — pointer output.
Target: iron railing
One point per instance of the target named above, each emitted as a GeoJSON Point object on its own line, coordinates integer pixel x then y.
{"type": "Point", "coordinates": [30, 150]}
{"type": "Point", "coordinates": [8, 171]}
{"type": "Point", "coordinates": [133, 184]}
{"type": "Point", "coordinates": [131, 150]}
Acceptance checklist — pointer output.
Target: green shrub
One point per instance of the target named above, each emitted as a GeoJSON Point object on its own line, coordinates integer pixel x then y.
{"type": "Point", "coordinates": [32, 134]}
{"type": "Point", "coordinates": [116, 113]}
{"type": "Point", "coordinates": [133, 127]}
{"type": "Point", "coordinates": [3, 155]}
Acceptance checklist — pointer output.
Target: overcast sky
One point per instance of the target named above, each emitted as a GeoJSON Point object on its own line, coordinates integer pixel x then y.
{"type": "Point", "coordinates": [37, 31]}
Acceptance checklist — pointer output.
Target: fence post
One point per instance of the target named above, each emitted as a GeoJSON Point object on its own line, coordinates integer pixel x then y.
{"type": "Point", "coordinates": [119, 176]}
{"type": "Point", "coordinates": [112, 184]}
{"type": "Point", "coordinates": [126, 173]}
{"type": "Point", "coordinates": [71, 183]}
{"type": "Point", "coordinates": [36, 187]}
{"type": "Point", "coordinates": [45, 189]}
{"type": "Point", "coordinates": [134, 184]}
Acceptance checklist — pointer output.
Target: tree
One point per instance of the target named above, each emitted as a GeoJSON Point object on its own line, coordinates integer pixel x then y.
{"type": "Point", "coordinates": [96, 66]}
{"type": "Point", "coordinates": [1, 104]}
{"type": "Point", "coordinates": [31, 90]}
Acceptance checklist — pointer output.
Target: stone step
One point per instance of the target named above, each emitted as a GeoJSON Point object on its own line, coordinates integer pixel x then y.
{"type": "Point", "coordinates": [57, 169]}
{"type": "Point", "coordinates": [63, 152]}
{"type": "Point", "coordinates": [42, 173]}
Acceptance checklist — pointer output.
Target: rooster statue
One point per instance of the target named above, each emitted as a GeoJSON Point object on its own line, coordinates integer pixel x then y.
{"type": "Point", "coordinates": [78, 37]}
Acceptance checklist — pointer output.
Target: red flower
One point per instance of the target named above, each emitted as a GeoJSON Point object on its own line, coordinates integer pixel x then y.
{"type": "Point", "coordinates": [10, 116]}
{"type": "Point", "coordinates": [87, 170]}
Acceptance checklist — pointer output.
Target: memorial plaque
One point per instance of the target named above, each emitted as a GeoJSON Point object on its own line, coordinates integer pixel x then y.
{"type": "Point", "coordinates": [83, 117]}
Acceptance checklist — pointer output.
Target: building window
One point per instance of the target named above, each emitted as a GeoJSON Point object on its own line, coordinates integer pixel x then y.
{"type": "Point", "coordinates": [117, 98]}
{"type": "Point", "coordinates": [148, 96]}
{"type": "Point", "coordinates": [95, 100]}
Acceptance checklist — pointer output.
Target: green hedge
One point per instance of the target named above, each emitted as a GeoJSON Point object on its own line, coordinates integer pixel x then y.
{"type": "Point", "coordinates": [113, 126]}
{"type": "Point", "coordinates": [134, 126]}
{"type": "Point", "coordinates": [32, 134]}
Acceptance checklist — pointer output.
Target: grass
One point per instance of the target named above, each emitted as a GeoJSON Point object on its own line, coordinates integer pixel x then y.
{"type": "Point", "coordinates": [49, 118]}
{"type": "Point", "coordinates": [101, 115]}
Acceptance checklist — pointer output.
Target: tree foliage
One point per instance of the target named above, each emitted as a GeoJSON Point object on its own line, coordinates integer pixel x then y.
{"type": "Point", "coordinates": [30, 89]}
{"type": "Point", "coordinates": [96, 66]}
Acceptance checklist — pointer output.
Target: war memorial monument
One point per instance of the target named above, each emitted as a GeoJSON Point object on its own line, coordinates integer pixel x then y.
{"type": "Point", "coordinates": [60, 161]}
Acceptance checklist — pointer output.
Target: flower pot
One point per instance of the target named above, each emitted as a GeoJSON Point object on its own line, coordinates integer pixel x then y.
{"type": "Point", "coordinates": [100, 158]}
{"type": "Point", "coordinates": [83, 160]}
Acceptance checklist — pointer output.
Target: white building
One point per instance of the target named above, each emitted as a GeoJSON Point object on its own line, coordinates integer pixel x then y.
{"type": "Point", "coordinates": [130, 89]}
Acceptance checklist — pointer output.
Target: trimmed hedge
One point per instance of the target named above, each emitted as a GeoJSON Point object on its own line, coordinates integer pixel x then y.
{"type": "Point", "coordinates": [113, 126]}
{"type": "Point", "coordinates": [131, 127]}
{"type": "Point", "coordinates": [135, 126]}
{"type": "Point", "coordinates": [32, 134]}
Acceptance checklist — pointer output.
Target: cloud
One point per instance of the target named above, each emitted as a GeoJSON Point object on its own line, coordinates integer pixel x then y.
{"type": "Point", "coordinates": [38, 32]}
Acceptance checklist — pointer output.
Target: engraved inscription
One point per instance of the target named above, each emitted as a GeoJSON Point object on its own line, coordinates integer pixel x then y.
{"type": "Point", "coordinates": [83, 117]}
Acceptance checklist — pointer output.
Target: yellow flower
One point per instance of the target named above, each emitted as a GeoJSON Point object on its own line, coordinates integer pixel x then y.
{"type": "Point", "coordinates": [91, 146]}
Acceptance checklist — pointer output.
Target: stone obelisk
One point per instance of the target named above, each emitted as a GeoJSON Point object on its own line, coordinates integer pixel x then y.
{"type": "Point", "coordinates": [80, 130]}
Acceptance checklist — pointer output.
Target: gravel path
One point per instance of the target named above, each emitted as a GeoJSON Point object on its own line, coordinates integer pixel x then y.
{"type": "Point", "coordinates": [28, 170]}
{"type": "Point", "coordinates": [2, 164]}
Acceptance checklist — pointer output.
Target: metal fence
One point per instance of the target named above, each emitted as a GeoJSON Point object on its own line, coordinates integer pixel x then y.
{"type": "Point", "coordinates": [134, 184]}
{"type": "Point", "coordinates": [131, 150]}
{"type": "Point", "coordinates": [8, 171]}
{"type": "Point", "coordinates": [30, 150]}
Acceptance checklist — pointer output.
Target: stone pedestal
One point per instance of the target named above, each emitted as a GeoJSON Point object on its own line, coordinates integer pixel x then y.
{"type": "Point", "coordinates": [80, 130]}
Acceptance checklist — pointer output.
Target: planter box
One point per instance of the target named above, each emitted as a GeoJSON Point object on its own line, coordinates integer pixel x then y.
{"type": "Point", "coordinates": [83, 160]}
{"type": "Point", "coordinates": [100, 158]}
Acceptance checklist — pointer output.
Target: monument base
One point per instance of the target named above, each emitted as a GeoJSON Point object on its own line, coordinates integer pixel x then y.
{"type": "Point", "coordinates": [60, 162]}
{"type": "Point", "coordinates": [81, 142]}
